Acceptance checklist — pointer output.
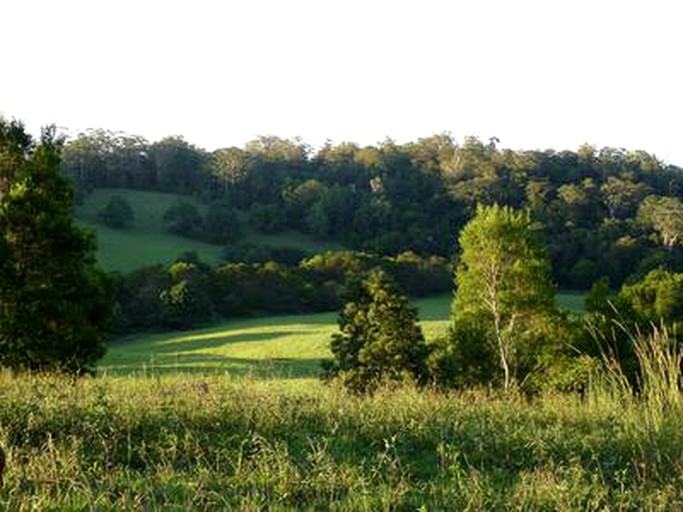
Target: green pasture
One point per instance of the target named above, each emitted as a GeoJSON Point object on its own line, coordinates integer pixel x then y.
{"type": "Point", "coordinates": [274, 347]}
{"type": "Point", "coordinates": [148, 243]}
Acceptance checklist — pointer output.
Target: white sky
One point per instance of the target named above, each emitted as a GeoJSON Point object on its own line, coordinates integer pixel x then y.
{"type": "Point", "coordinates": [535, 74]}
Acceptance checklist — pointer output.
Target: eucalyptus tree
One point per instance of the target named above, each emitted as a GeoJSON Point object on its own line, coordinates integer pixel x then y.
{"type": "Point", "coordinates": [503, 283]}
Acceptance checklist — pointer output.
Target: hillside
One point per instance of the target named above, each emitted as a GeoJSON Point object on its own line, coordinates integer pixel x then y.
{"type": "Point", "coordinates": [147, 242]}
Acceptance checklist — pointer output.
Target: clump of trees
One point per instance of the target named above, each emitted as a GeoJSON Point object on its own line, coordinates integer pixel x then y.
{"type": "Point", "coordinates": [55, 304]}
{"type": "Point", "coordinates": [220, 224]}
{"type": "Point", "coordinates": [506, 330]}
{"type": "Point", "coordinates": [188, 293]}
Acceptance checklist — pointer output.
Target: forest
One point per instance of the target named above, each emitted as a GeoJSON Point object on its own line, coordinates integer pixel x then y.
{"type": "Point", "coordinates": [604, 212]}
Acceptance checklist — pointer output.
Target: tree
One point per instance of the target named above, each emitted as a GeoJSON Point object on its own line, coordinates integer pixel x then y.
{"type": "Point", "coordinates": [186, 302]}
{"type": "Point", "coordinates": [118, 213]}
{"type": "Point", "coordinates": [658, 297]}
{"type": "Point", "coordinates": [503, 280]}
{"type": "Point", "coordinates": [268, 219]}
{"type": "Point", "coordinates": [184, 219]}
{"type": "Point", "coordinates": [221, 224]}
{"type": "Point", "coordinates": [55, 306]}
{"type": "Point", "coordinates": [665, 216]}
{"type": "Point", "coordinates": [379, 337]}
{"type": "Point", "coordinates": [622, 196]}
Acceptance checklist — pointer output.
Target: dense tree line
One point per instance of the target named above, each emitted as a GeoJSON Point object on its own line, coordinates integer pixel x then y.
{"type": "Point", "coordinates": [188, 292]}
{"type": "Point", "coordinates": [390, 198]}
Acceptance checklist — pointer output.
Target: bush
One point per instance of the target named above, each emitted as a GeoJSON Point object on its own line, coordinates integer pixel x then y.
{"type": "Point", "coordinates": [118, 213]}
{"type": "Point", "coordinates": [184, 219]}
{"type": "Point", "coordinates": [221, 225]}
{"type": "Point", "coordinates": [267, 218]}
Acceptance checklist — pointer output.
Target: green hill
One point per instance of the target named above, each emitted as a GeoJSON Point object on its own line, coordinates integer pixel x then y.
{"type": "Point", "coordinates": [148, 243]}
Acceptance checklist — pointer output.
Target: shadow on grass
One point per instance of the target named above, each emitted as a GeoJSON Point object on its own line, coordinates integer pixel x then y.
{"type": "Point", "coordinates": [199, 341]}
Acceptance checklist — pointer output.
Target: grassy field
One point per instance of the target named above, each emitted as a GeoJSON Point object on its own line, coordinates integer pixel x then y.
{"type": "Point", "coordinates": [232, 418]}
{"type": "Point", "coordinates": [148, 243]}
{"type": "Point", "coordinates": [178, 442]}
{"type": "Point", "coordinates": [272, 347]}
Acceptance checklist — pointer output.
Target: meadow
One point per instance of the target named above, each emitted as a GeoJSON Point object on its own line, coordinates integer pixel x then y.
{"type": "Point", "coordinates": [147, 242]}
{"type": "Point", "coordinates": [272, 347]}
{"type": "Point", "coordinates": [233, 417]}
{"type": "Point", "coordinates": [179, 442]}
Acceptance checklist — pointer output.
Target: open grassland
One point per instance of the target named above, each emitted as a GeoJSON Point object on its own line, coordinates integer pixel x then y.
{"type": "Point", "coordinates": [182, 442]}
{"type": "Point", "coordinates": [290, 346]}
{"type": "Point", "coordinates": [233, 418]}
{"type": "Point", "coordinates": [148, 243]}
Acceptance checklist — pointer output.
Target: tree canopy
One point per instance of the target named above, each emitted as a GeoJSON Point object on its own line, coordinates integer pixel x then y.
{"type": "Point", "coordinates": [390, 198]}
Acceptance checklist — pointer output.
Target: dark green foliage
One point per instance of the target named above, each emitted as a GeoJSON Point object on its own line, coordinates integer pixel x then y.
{"type": "Point", "coordinates": [54, 304]}
{"type": "Point", "coordinates": [267, 218]}
{"type": "Point", "coordinates": [658, 297]}
{"type": "Point", "coordinates": [583, 274]}
{"type": "Point", "coordinates": [464, 358]}
{"type": "Point", "coordinates": [118, 213]}
{"type": "Point", "coordinates": [186, 302]}
{"type": "Point", "coordinates": [138, 298]}
{"type": "Point", "coordinates": [261, 285]}
{"type": "Point", "coordinates": [391, 198]}
{"type": "Point", "coordinates": [379, 337]}
{"type": "Point", "coordinates": [240, 289]}
{"type": "Point", "coordinates": [184, 219]}
{"type": "Point", "coordinates": [249, 253]}
{"type": "Point", "coordinates": [221, 224]}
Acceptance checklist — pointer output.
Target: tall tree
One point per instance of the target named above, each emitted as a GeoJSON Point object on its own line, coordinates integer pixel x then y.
{"type": "Point", "coordinates": [54, 304]}
{"type": "Point", "coordinates": [503, 281]}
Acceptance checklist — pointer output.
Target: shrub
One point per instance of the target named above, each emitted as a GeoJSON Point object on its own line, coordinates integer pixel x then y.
{"type": "Point", "coordinates": [184, 219]}
{"type": "Point", "coordinates": [118, 213]}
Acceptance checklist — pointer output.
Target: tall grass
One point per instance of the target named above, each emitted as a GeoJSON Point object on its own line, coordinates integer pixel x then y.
{"type": "Point", "coordinates": [213, 443]}
{"type": "Point", "coordinates": [656, 386]}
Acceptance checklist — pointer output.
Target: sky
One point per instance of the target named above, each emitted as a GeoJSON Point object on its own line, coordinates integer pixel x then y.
{"type": "Point", "coordinates": [535, 74]}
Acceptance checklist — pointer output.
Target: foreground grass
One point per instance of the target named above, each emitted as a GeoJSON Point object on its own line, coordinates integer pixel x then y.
{"type": "Point", "coordinates": [212, 443]}
{"type": "Point", "coordinates": [148, 243]}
